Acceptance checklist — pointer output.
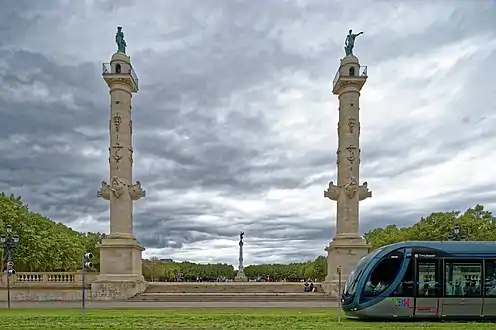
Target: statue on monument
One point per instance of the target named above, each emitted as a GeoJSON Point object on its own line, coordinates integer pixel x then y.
{"type": "Point", "coordinates": [349, 42]}
{"type": "Point", "coordinates": [119, 40]}
{"type": "Point", "coordinates": [241, 235]}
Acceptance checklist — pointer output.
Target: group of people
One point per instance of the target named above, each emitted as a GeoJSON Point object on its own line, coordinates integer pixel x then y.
{"type": "Point", "coordinates": [309, 287]}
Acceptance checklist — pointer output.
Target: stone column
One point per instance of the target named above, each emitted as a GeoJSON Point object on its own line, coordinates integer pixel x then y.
{"type": "Point", "coordinates": [120, 252]}
{"type": "Point", "coordinates": [241, 277]}
{"type": "Point", "coordinates": [348, 246]}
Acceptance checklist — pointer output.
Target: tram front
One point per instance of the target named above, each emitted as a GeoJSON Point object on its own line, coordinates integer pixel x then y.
{"type": "Point", "coordinates": [377, 276]}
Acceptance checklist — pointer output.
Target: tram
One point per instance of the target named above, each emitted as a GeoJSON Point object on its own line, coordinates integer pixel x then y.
{"type": "Point", "coordinates": [424, 280]}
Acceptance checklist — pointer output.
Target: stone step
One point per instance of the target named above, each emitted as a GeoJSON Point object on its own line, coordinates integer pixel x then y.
{"type": "Point", "coordinates": [240, 297]}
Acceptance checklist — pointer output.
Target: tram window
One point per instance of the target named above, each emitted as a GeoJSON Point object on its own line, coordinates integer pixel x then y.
{"type": "Point", "coordinates": [490, 278]}
{"type": "Point", "coordinates": [463, 279]}
{"type": "Point", "coordinates": [428, 279]}
{"type": "Point", "coordinates": [382, 276]}
{"type": "Point", "coordinates": [405, 288]}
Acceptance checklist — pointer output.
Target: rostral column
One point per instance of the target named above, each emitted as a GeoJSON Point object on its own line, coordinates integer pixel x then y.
{"type": "Point", "coordinates": [348, 246]}
{"type": "Point", "coordinates": [120, 252]}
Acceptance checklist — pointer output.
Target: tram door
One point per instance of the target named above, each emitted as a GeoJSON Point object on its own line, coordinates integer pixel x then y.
{"type": "Point", "coordinates": [463, 288]}
{"type": "Point", "coordinates": [427, 289]}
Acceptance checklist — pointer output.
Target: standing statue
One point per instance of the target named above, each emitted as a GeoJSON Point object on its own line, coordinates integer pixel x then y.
{"type": "Point", "coordinates": [119, 40]}
{"type": "Point", "coordinates": [241, 235]}
{"type": "Point", "coordinates": [349, 42]}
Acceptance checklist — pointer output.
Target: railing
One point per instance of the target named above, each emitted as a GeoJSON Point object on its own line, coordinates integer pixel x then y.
{"type": "Point", "coordinates": [48, 278]}
{"type": "Point", "coordinates": [362, 72]}
{"type": "Point", "coordinates": [107, 70]}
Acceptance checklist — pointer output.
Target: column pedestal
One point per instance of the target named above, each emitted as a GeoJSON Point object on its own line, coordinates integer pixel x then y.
{"type": "Point", "coordinates": [120, 270]}
{"type": "Point", "coordinates": [345, 250]}
{"type": "Point", "coordinates": [241, 277]}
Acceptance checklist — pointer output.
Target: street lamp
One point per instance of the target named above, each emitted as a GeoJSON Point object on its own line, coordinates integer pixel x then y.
{"type": "Point", "coordinates": [9, 242]}
{"type": "Point", "coordinates": [456, 234]}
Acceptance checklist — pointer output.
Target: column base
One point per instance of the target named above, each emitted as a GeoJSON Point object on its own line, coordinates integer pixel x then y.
{"type": "Point", "coordinates": [121, 275]}
{"type": "Point", "coordinates": [116, 289]}
{"type": "Point", "coordinates": [241, 277]}
{"type": "Point", "coordinates": [120, 259]}
{"type": "Point", "coordinates": [345, 250]}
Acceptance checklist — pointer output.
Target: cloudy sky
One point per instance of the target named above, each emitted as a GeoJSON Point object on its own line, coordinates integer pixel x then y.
{"type": "Point", "coordinates": [235, 122]}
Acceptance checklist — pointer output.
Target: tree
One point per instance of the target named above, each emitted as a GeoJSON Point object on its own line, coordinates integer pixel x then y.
{"type": "Point", "coordinates": [44, 244]}
{"type": "Point", "coordinates": [315, 270]}
{"type": "Point", "coordinates": [477, 223]}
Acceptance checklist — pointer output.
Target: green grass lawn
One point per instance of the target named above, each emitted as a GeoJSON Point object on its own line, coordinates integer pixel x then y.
{"type": "Point", "coordinates": [202, 318]}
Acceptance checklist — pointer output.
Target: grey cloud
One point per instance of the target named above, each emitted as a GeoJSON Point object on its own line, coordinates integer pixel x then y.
{"type": "Point", "coordinates": [204, 118]}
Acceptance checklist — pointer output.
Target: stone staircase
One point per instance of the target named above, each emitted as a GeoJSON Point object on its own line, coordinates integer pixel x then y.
{"type": "Point", "coordinates": [229, 292]}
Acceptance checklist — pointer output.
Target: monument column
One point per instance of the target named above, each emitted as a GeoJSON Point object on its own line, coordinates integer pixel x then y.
{"type": "Point", "coordinates": [348, 246]}
{"type": "Point", "coordinates": [120, 252]}
{"type": "Point", "coordinates": [241, 277]}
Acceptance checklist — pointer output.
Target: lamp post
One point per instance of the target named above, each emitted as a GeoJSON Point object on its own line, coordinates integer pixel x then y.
{"type": "Point", "coordinates": [9, 242]}
{"type": "Point", "coordinates": [456, 234]}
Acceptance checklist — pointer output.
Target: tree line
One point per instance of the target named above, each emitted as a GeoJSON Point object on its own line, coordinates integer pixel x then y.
{"type": "Point", "coordinates": [164, 271]}
{"type": "Point", "coordinates": [47, 246]}
{"type": "Point", "coordinates": [476, 223]}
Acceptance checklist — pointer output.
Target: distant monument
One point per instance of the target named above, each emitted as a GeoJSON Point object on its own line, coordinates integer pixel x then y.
{"type": "Point", "coordinates": [241, 277]}
{"type": "Point", "coordinates": [348, 246]}
{"type": "Point", "coordinates": [120, 252]}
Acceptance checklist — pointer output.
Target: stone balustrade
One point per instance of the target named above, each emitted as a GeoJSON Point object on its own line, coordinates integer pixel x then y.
{"type": "Point", "coordinates": [48, 278]}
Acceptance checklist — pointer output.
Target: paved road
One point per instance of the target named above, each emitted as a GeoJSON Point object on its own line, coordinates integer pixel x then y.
{"type": "Point", "coordinates": [150, 304]}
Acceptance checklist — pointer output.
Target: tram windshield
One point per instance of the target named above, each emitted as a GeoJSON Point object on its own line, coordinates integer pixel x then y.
{"type": "Point", "coordinates": [351, 283]}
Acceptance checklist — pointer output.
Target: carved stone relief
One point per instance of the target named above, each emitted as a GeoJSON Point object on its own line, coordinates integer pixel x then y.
{"type": "Point", "coordinates": [136, 191]}
{"type": "Point", "coordinates": [352, 154]}
{"type": "Point", "coordinates": [117, 187]}
{"type": "Point", "coordinates": [131, 127]}
{"type": "Point", "coordinates": [116, 153]}
{"type": "Point", "coordinates": [337, 156]}
{"type": "Point", "coordinates": [104, 191]}
{"type": "Point", "coordinates": [352, 121]}
{"type": "Point", "coordinates": [364, 192]}
{"type": "Point", "coordinates": [332, 191]}
{"type": "Point", "coordinates": [350, 187]}
{"type": "Point", "coordinates": [131, 156]}
{"type": "Point", "coordinates": [117, 120]}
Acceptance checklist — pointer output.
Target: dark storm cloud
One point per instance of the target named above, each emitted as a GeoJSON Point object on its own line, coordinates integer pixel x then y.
{"type": "Point", "coordinates": [213, 137]}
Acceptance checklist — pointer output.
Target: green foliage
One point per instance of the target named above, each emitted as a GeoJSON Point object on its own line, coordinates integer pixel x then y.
{"type": "Point", "coordinates": [44, 245]}
{"type": "Point", "coordinates": [476, 223]}
{"type": "Point", "coordinates": [156, 270]}
{"type": "Point", "coordinates": [290, 272]}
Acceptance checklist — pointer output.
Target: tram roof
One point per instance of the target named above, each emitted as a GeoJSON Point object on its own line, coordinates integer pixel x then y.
{"type": "Point", "coordinates": [451, 247]}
